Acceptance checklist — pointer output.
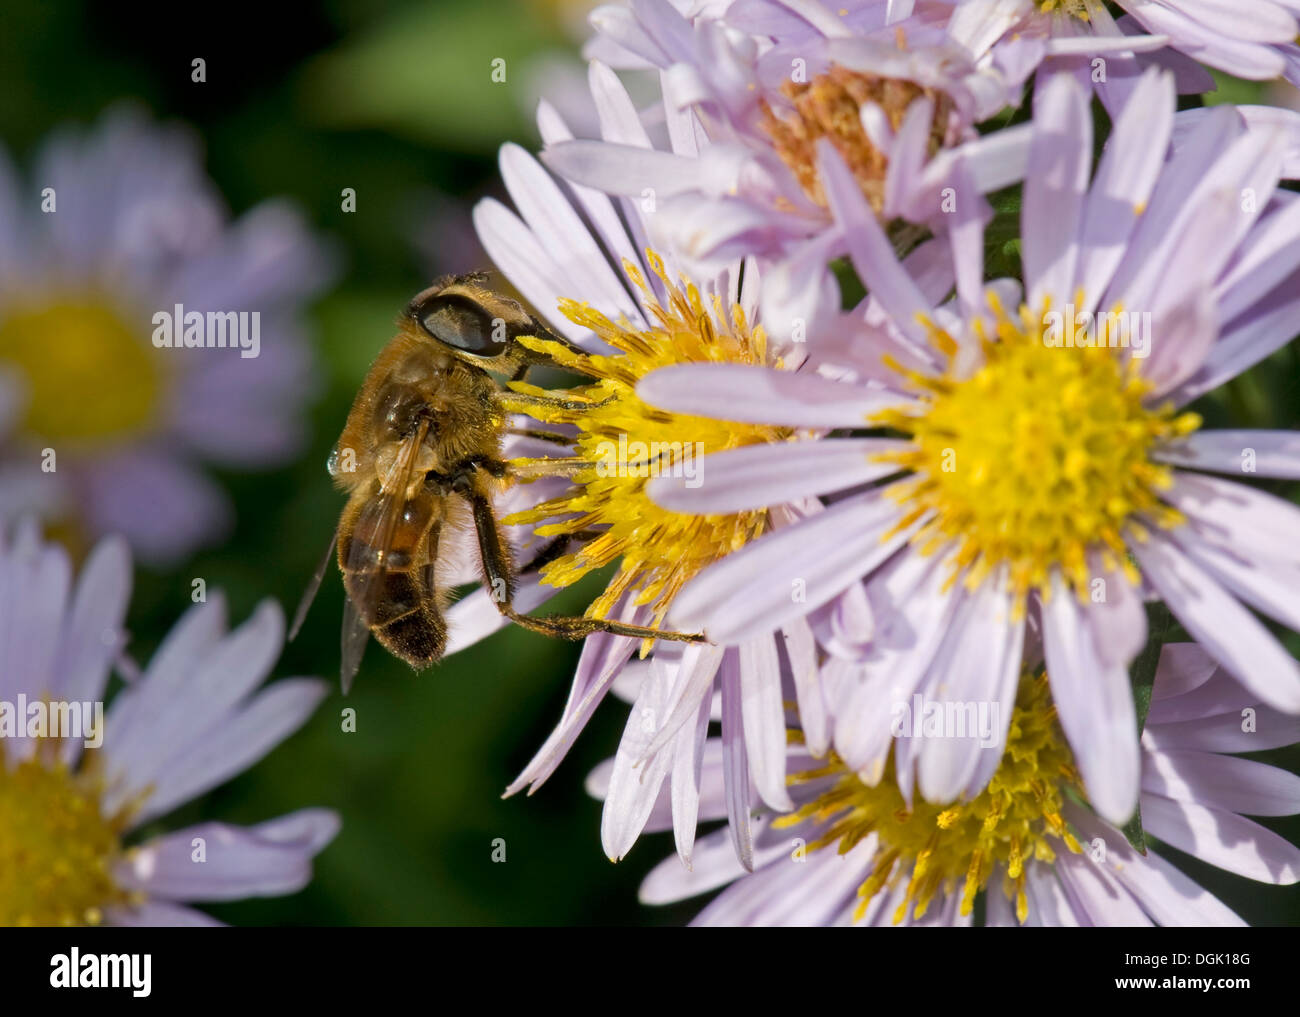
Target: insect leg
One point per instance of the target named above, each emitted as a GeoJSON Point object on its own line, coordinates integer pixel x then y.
{"type": "Point", "coordinates": [497, 570]}
{"type": "Point", "coordinates": [555, 548]}
{"type": "Point", "coordinates": [525, 402]}
{"type": "Point", "coordinates": [554, 437]}
{"type": "Point", "coordinates": [532, 469]}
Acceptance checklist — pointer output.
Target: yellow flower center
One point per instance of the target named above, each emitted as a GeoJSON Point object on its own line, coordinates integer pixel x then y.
{"type": "Point", "coordinates": [830, 106]}
{"type": "Point", "coordinates": [57, 848]}
{"type": "Point", "coordinates": [1081, 9]}
{"type": "Point", "coordinates": [1039, 456]}
{"type": "Point", "coordinates": [1016, 818]}
{"type": "Point", "coordinates": [621, 443]}
{"type": "Point", "coordinates": [88, 374]}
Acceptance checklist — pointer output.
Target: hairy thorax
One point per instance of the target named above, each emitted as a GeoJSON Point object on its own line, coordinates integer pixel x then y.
{"type": "Point", "coordinates": [412, 381]}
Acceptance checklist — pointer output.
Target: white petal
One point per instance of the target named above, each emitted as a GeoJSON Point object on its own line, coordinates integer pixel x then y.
{"type": "Point", "coordinates": [1221, 838]}
{"type": "Point", "coordinates": [1226, 629]}
{"type": "Point", "coordinates": [1222, 782]}
{"type": "Point", "coordinates": [234, 863]}
{"type": "Point", "coordinates": [635, 780]}
{"type": "Point", "coordinates": [95, 622]}
{"type": "Point", "coordinates": [762, 395]}
{"type": "Point", "coordinates": [787, 573]}
{"type": "Point", "coordinates": [735, 762]}
{"type": "Point", "coordinates": [978, 656]}
{"type": "Point", "coordinates": [1165, 893]}
{"type": "Point", "coordinates": [756, 476]}
{"type": "Point", "coordinates": [1258, 453]}
{"type": "Point", "coordinates": [763, 713]}
{"type": "Point", "coordinates": [238, 743]}
{"type": "Point", "coordinates": [687, 783]}
{"type": "Point", "coordinates": [1056, 181]}
{"type": "Point", "coordinates": [1095, 706]}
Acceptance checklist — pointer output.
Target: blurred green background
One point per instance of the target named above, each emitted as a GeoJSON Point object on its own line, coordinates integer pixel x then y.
{"type": "Point", "coordinates": [393, 100]}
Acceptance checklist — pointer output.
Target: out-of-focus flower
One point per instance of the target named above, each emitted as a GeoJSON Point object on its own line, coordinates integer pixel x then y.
{"type": "Point", "coordinates": [70, 802]}
{"type": "Point", "coordinates": [898, 102]}
{"type": "Point", "coordinates": [1039, 462]}
{"type": "Point", "coordinates": [101, 429]}
{"type": "Point", "coordinates": [880, 855]}
{"type": "Point", "coordinates": [1254, 39]}
{"type": "Point", "coordinates": [630, 323]}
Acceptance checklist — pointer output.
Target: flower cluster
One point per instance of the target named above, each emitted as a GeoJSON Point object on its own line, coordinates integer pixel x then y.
{"type": "Point", "coordinates": [938, 509]}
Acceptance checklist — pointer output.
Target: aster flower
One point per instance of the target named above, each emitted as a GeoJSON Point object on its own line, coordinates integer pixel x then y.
{"type": "Point", "coordinates": [1254, 39]}
{"type": "Point", "coordinates": [115, 225]}
{"type": "Point", "coordinates": [899, 103]}
{"type": "Point", "coordinates": [69, 807]}
{"type": "Point", "coordinates": [855, 853]}
{"type": "Point", "coordinates": [628, 323]}
{"type": "Point", "coordinates": [1034, 478]}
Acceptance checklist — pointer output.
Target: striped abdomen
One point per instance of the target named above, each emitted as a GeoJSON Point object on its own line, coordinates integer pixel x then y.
{"type": "Point", "coordinates": [389, 577]}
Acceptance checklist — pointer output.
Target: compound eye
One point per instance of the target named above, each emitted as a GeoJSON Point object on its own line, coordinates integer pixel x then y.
{"type": "Point", "coordinates": [462, 324]}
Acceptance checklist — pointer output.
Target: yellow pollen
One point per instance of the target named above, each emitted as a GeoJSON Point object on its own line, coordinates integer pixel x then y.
{"type": "Point", "coordinates": [57, 848]}
{"type": "Point", "coordinates": [935, 849]}
{"type": "Point", "coordinates": [88, 375]}
{"type": "Point", "coordinates": [622, 442]}
{"type": "Point", "coordinates": [1037, 458]}
{"type": "Point", "coordinates": [830, 106]}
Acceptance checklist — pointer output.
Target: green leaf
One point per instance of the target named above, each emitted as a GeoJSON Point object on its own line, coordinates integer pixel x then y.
{"type": "Point", "coordinates": [851, 289]}
{"type": "Point", "coordinates": [1002, 235]}
{"type": "Point", "coordinates": [426, 73]}
{"type": "Point", "coordinates": [1132, 831]}
{"type": "Point", "coordinates": [1235, 91]}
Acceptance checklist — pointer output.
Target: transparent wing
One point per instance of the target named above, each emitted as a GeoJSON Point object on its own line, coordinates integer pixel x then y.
{"type": "Point", "coordinates": [352, 644]}
{"type": "Point", "coordinates": [367, 561]}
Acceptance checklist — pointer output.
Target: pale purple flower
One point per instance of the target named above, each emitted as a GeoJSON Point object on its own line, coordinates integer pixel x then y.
{"type": "Point", "coordinates": [549, 252]}
{"type": "Point", "coordinates": [112, 226]}
{"type": "Point", "coordinates": [1074, 867]}
{"type": "Point", "coordinates": [760, 94]}
{"type": "Point", "coordinates": [192, 720]}
{"type": "Point", "coordinates": [1025, 474]}
{"type": "Point", "coordinates": [1284, 124]}
{"type": "Point", "coordinates": [1252, 39]}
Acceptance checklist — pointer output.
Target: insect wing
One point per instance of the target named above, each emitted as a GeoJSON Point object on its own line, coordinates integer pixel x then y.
{"type": "Point", "coordinates": [368, 551]}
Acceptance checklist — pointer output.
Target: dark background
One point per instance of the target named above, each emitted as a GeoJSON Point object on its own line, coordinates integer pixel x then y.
{"type": "Point", "coordinates": [392, 99]}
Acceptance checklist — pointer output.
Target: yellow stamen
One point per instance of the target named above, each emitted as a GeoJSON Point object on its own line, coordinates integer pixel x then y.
{"type": "Point", "coordinates": [57, 847]}
{"type": "Point", "coordinates": [627, 442]}
{"type": "Point", "coordinates": [1039, 457]}
{"type": "Point", "coordinates": [1080, 9]}
{"type": "Point", "coordinates": [88, 375]}
{"type": "Point", "coordinates": [938, 848]}
{"type": "Point", "coordinates": [830, 106]}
